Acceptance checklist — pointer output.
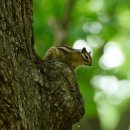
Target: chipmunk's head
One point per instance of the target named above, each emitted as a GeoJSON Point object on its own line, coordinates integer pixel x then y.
{"type": "Point", "coordinates": [86, 57]}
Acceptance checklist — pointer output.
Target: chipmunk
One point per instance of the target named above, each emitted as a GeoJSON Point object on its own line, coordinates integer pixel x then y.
{"type": "Point", "coordinates": [72, 57]}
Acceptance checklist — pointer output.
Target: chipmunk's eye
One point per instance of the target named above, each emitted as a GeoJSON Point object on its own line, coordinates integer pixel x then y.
{"type": "Point", "coordinates": [89, 52]}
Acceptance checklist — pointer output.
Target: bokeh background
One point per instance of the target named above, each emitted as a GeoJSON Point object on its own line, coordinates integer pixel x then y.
{"type": "Point", "coordinates": [103, 27]}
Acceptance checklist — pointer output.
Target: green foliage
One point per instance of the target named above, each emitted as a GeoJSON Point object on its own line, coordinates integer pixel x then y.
{"type": "Point", "coordinates": [98, 23]}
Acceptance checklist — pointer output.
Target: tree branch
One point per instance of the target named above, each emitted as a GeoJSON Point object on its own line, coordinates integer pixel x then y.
{"type": "Point", "coordinates": [64, 100]}
{"type": "Point", "coordinates": [60, 27]}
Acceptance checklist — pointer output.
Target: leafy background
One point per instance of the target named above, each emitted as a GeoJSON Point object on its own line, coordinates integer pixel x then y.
{"type": "Point", "coordinates": [103, 27]}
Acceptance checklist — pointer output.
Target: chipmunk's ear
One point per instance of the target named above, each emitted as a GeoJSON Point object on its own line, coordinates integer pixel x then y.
{"type": "Point", "coordinates": [89, 52]}
{"type": "Point", "coordinates": [83, 50]}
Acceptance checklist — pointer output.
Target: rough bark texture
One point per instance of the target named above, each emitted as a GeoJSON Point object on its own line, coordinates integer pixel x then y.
{"type": "Point", "coordinates": [42, 96]}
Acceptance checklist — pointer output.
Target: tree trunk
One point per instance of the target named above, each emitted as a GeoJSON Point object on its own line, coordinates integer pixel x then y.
{"type": "Point", "coordinates": [34, 95]}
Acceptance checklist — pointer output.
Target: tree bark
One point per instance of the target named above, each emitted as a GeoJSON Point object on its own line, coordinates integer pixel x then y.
{"type": "Point", "coordinates": [34, 95]}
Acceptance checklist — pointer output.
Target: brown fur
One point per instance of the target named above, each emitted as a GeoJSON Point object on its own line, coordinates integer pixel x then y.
{"type": "Point", "coordinates": [72, 57]}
